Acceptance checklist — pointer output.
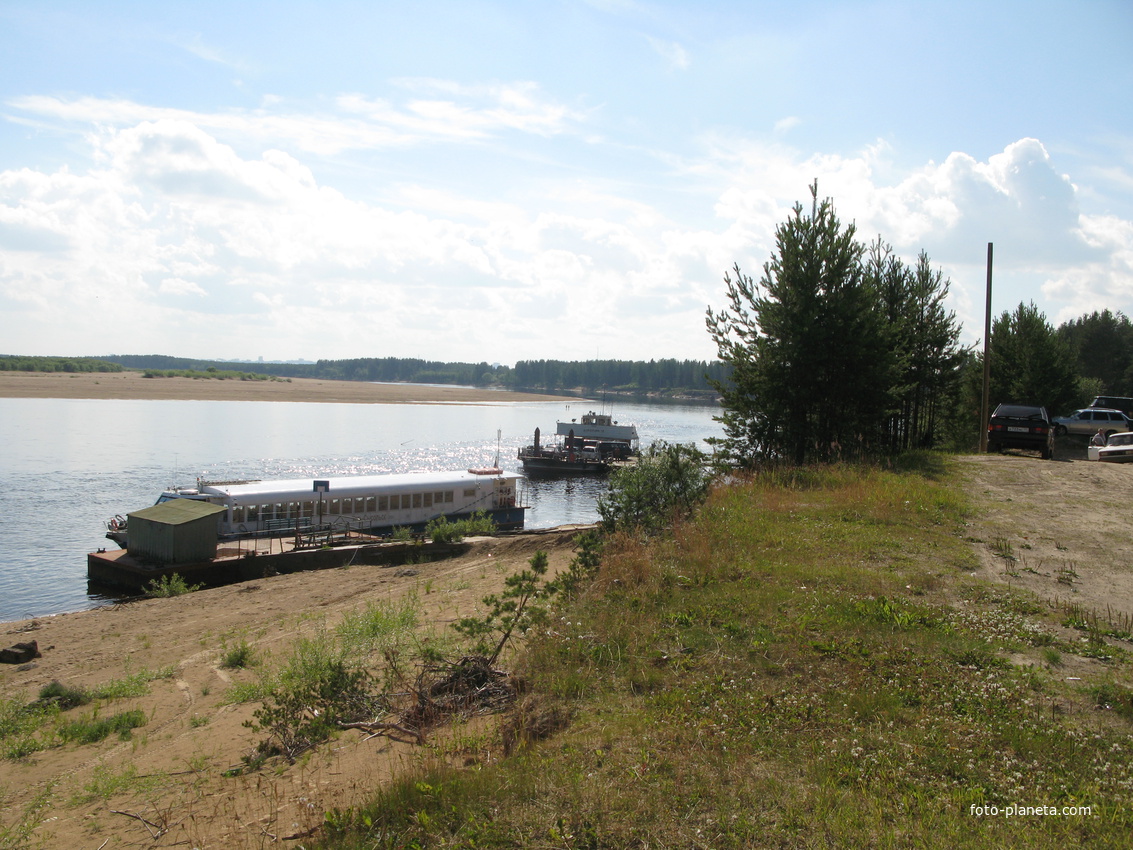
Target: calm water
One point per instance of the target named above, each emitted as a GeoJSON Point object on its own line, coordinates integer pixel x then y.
{"type": "Point", "coordinates": [67, 465]}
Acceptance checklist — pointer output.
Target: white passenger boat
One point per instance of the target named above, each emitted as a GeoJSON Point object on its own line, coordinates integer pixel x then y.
{"type": "Point", "coordinates": [374, 503]}
{"type": "Point", "coordinates": [599, 427]}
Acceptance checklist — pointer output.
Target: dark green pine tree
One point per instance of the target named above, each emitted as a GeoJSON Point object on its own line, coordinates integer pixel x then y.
{"type": "Point", "coordinates": [808, 349]}
{"type": "Point", "coordinates": [1103, 348]}
{"type": "Point", "coordinates": [1030, 364]}
{"type": "Point", "coordinates": [924, 341]}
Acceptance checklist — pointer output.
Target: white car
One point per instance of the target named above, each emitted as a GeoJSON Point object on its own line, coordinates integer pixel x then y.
{"type": "Point", "coordinates": [1118, 449]}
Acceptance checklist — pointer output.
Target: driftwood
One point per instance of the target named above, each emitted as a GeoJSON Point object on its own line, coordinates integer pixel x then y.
{"type": "Point", "coordinates": [469, 686]}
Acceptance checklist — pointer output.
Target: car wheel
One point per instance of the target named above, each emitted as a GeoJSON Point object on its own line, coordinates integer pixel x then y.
{"type": "Point", "coordinates": [1060, 430]}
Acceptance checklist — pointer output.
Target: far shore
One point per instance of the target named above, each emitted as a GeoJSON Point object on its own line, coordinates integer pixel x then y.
{"type": "Point", "coordinates": [131, 385]}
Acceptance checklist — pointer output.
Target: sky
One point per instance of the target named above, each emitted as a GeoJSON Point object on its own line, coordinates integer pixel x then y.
{"type": "Point", "coordinates": [481, 180]}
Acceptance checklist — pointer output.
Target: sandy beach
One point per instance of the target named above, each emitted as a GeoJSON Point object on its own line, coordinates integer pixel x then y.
{"type": "Point", "coordinates": [131, 385]}
{"type": "Point", "coordinates": [166, 786]}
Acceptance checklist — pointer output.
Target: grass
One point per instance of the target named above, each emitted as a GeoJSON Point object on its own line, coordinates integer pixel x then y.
{"type": "Point", "coordinates": [806, 663]}
{"type": "Point", "coordinates": [30, 727]}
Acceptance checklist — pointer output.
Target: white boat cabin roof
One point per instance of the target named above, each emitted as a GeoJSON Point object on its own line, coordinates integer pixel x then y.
{"type": "Point", "coordinates": [349, 485]}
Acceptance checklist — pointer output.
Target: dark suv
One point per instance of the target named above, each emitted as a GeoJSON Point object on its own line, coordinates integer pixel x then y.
{"type": "Point", "coordinates": [1021, 426]}
{"type": "Point", "coordinates": [1116, 402]}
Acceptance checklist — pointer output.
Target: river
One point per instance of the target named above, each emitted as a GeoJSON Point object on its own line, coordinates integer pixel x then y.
{"type": "Point", "coordinates": [68, 465]}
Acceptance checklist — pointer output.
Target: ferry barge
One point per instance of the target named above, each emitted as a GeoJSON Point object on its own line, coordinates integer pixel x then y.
{"type": "Point", "coordinates": [593, 446]}
{"type": "Point", "coordinates": [370, 503]}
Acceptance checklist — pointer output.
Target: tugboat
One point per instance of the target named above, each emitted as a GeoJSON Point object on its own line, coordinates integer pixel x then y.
{"type": "Point", "coordinates": [592, 447]}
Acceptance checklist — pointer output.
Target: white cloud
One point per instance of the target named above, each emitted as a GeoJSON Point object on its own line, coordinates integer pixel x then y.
{"type": "Point", "coordinates": [194, 244]}
{"type": "Point", "coordinates": [436, 110]}
{"type": "Point", "coordinates": [785, 125]}
{"type": "Point", "coordinates": [672, 52]}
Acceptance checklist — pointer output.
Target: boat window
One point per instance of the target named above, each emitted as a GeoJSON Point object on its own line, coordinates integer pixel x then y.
{"type": "Point", "coordinates": [347, 506]}
{"type": "Point", "coordinates": [253, 513]}
{"type": "Point", "coordinates": [370, 503]}
{"type": "Point", "coordinates": [237, 514]}
{"type": "Point", "coordinates": [448, 497]}
{"type": "Point", "coordinates": [469, 492]}
{"type": "Point", "coordinates": [383, 503]}
{"type": "Point", "coordinates": [404, 500]}
{"type": "Point", "coordinates": [416, 500]}
{"type": "Point", "coordinates": [428, 500]}
{"type": "Point", "coordinates": [335, 506]}
{"type": "Point", "coordinates": [308, 509]}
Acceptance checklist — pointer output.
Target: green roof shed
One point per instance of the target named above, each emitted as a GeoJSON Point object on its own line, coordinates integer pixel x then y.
{"type": "Point", "coordinates": [177, 531]}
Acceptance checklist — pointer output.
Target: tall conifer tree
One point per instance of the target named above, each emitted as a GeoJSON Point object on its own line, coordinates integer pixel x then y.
{"type": "Point", "coordinates": [808, 348]}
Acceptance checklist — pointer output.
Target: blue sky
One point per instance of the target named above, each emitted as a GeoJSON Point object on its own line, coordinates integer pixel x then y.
{"type": "Point", "coordinates": [506, 180]}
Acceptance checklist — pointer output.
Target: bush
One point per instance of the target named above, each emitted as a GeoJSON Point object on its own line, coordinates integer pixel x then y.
{"type": "Point", "coordinates": [315, 691]}
{"type": "Point", "coordinates": [442, 530]}
{"type": "Point", "coordinates": [667, 480]}
{"type": "Point", "coordinates": [170, 585]}
{"type": "Point", "coordinates": [64, 696]}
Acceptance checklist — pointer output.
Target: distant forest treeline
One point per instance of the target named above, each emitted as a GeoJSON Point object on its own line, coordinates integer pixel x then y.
{"type": "Point", "coordinates": [16, 363]}
{"type": "Point", "coordinates": [668, 376]}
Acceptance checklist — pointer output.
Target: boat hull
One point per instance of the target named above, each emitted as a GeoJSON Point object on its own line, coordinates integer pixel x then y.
{"type": "Point", "coordinates": [550, 466]}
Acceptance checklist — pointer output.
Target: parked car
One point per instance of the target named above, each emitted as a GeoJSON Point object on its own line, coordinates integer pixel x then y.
{"type": "Point", "coordinates": [1118, 449]}
{"type": "Point", "coordinates": [1021, 426]}
{"type": "Point", "coordinates": [1091, 419]}
{"type": "Point", "coordinates": [1114, 402]}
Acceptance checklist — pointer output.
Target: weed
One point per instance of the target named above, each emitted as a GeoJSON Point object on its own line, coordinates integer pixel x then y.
{"type": "Point", "coordinates": [132, 685]}
{"type": "Point", "coordinates": [90, 730]}
{"type": "Point", "coordinates": [173, 584]}
{"type": "Point", "coordinates": [378, 627]}
{"type": "Point", "coordinates": [240, 656]}
{"type": "Point", "coordinates": [1113, 697]}
{"type": "Point", "coordinates": [106, 782]}
{"type": "Point", "coordinates": [64, 696]}
{"type": "Point", "coordinates": [1001, 548]}
{"type": "Point", "coordinates": [18, 833]}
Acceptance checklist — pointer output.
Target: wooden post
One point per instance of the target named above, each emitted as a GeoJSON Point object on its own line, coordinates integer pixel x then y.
{"type": "Point", "coordinates": [984, 412]}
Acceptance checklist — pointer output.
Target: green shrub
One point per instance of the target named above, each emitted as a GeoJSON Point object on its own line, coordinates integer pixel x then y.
{"type": "Point", "coordinates": [239, 656]}
{"type": "Point", "coordinates": [316, 690]}
{"type": "Point", "coordinates": [171, 585]}
{"type": "Point", "coordinates": [443, 530]}
{"type": "Point", "coordinates": [667, 481]}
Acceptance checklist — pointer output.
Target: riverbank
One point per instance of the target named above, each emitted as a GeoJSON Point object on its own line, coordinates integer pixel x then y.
{"type": "Point", "coordinates": [167, 783]}
{"type": "Point", "coordinates": [131, 385]}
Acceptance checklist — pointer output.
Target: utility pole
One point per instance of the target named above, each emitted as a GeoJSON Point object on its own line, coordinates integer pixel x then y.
{"type": "Point", "coordinates": [987, 358]}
